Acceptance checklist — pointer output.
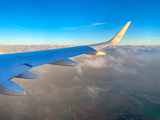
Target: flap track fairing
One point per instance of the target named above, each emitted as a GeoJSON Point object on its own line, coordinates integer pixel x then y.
{"type": "Point", "coordinates": [11, 88]}
{"type": "Point", "coordinates": [65, 62]}
{"type": "Point", "coordinates": [27, 75]}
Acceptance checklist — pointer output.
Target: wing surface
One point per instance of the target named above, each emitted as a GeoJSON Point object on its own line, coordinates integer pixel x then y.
{"type": "Point", "coordinates": [18, 64]}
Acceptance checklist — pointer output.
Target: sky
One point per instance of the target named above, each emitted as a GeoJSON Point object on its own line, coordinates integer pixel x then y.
{"type": "Point", "coordinates": [77, 22]}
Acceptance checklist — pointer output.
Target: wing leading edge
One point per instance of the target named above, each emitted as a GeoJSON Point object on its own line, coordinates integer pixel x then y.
{"type": "Point", "coordinates": [18, 64]}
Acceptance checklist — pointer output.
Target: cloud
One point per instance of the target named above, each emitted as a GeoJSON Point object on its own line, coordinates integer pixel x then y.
{"type": "Point", "coordinates": [97, 62]}
{"type": "Point", "coordinates": [88, 61]}
{"type": "Point", "coordinates": [124, 59]}
{"type": "Point", "coordinates": [97, 24]}
{"type": "Point", "coordinates": [46, 89]}
{"type": "Point", "coordinates": [94, 24]}
{"type": "Point", "coordinates": [14, 25]}
{"type": "Point", "coordinates": [122, 69]}
{"type": "Point", "coordinates": [79, 70]}
{"type": "Point", "coordinates": [76, 78]}
{"type": "Point", "coordinates": [133, 49]}
{"type": "Point", "coordinates": [94, 91]}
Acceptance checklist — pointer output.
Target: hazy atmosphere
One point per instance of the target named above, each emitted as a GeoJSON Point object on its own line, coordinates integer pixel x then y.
{"type": "Point", "coordinates": [120, 85]}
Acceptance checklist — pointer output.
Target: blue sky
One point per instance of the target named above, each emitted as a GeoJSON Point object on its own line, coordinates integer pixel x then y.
{"type": "Point", "coordinates": [78, 21]}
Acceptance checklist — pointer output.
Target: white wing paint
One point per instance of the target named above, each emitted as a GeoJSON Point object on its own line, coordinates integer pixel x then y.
{"type": "Point", "coordinates": [18, 64]}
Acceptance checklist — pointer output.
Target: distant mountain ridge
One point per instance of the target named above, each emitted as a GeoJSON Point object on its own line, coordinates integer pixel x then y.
{"type": "Point", "coordinates": [114, 48]}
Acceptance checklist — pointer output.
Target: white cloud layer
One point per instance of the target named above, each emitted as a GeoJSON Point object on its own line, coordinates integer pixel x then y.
{"type": "Point", "coordinates": [124, 59]}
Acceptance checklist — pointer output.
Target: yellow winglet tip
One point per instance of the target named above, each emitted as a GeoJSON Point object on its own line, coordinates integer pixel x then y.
{"type": "Point", "coordinates": [96, 53]}
{"type": "Point", "coordinates": [100, 53]}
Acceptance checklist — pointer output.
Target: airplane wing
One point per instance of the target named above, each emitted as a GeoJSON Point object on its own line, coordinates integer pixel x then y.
{"type": "Point", "coordinates": [18, 64]}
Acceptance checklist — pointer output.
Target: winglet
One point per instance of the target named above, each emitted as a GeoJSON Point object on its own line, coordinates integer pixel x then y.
{"type": "Point", "coordinates": [119, 35]}
{"type": "Point", "coordinates": [114, 40]}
